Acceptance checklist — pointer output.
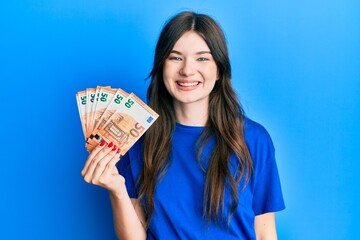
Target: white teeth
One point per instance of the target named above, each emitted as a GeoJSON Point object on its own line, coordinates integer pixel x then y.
{"type": "Point", "coordinates": [188, 84]}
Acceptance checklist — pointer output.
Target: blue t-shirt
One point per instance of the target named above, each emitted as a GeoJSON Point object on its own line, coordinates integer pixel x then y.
{"type": "Point", "coordinates": [179, 197]}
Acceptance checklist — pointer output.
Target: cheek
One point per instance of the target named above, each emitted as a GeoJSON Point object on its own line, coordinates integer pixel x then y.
{"type": "Point", "coordinates": [212, 73]}
{"type": "Point", "coordinates": [167, 72]}
{"type": "Point", "coordinates": [167, 81]}
{"type": "Point", "coordinates": [211, 70]}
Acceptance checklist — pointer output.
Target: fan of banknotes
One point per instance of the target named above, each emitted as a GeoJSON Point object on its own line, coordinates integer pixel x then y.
{"type": "Point", "coordinates": [112, 115]}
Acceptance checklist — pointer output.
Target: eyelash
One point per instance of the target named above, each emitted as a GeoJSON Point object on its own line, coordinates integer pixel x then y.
{"type": "Point", "coordinates": [201, 59]}
{"type": "Point", "coordinates": [175, 58]}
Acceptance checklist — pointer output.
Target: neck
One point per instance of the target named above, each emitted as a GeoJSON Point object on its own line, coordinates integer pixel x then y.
{"type": "Point", "coordinates": [191, 114]}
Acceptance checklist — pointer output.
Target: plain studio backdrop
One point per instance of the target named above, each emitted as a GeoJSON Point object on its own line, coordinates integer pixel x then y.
{"type": "Point", "coordinates": [296, 69]}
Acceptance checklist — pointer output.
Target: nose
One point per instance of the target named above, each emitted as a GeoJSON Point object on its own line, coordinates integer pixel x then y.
{"type": "Point", "coordinates": [187, 69]}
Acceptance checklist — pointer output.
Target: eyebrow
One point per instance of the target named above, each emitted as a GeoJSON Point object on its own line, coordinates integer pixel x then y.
{"type": "Point", "coordinates": [197, 53]}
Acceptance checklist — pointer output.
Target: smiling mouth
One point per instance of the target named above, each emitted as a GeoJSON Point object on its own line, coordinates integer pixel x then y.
{"type": "Point", "coordinates": [187, 84]}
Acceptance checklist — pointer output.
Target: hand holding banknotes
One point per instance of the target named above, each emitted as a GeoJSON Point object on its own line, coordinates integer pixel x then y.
{"type": "Point", "coordinates": [112, 121]}
{"type": "Point", "coordinates": [100, 168]}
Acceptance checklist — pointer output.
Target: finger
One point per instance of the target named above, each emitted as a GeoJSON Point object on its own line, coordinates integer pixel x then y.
{"type": "Point", "coordinates": [106, 179]}
{"type": "Point", "coordinates": [109, 169]}
{"type": "Point", "coordinates": [88, 176]}
{"type": "Point", "coordinates": [117, 158]}
{"type": "Point", "coordinates": [101, 165]}
{"type": "Point", "coordinates": [92, 154]}
{"type": "Point", "coordinates": [96, 155]}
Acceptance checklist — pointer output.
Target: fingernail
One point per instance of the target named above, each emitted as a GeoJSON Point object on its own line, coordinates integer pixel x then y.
{"type": "Point", "coordinates": [110, 145]}
{"type": "Point", "coordinates": [118, 151]}
{"type": "Point", "coordinates": [114, 148]}
{"type": "Point", "coordinates": [102, 143]}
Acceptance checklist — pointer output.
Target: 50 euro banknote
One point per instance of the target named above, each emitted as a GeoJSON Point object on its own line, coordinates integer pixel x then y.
{"type": "Point", "coordinates": [115, 117]}
{"type": "Point", "coordinates": [87, 102]}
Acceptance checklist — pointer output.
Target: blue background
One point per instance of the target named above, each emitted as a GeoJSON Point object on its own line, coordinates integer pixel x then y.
{"type": "Point", "coordinates": [296, 68]}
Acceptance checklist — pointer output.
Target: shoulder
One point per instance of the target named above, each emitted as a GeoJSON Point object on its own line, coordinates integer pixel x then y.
{"type": "Point", "coordinates": [255, 132]}
{"type": "Point", "coordinates": [259, 143]}
{"type": "Point", "coordinates": [267, 193]}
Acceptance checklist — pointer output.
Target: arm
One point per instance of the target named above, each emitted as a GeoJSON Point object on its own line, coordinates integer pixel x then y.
{"type": "Point", "coordinates": [100, 170]}
{"type": "Point", "coordinates": [265, 227]}
{"type": "Point", "coordinates": [128, 217]}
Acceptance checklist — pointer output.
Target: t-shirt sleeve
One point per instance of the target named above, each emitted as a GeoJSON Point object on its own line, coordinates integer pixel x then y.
{"type": "Point", "coordinates": [267, 195]}
{"type": "Point", "coordinates": [124, 168]}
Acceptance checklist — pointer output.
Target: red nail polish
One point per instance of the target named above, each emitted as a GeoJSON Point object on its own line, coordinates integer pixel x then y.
{"type": "Point", "coordinates": [118, 151]}
{"type": "Point", "coordinates": [114, 148]}
{"type": "Point", "coordinates": [110, 145]}
{"type": "Point", "coordinates": [102, 143]}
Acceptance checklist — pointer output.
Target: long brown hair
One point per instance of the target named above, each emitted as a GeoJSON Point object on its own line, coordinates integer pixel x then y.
{"type": "Point", "coordinates": [224, 124]}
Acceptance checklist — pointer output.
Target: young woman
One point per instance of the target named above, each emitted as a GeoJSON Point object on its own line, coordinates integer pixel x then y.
{"type": "Point", "coordinates": [203, 170]}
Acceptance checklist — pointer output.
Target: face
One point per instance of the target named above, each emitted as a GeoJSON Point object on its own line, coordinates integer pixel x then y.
{"type": "Point", "coordinates": [190, 71]}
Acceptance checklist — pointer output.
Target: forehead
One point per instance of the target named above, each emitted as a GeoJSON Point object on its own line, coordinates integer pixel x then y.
{"type": "Point", "coordinates": [191, 41]}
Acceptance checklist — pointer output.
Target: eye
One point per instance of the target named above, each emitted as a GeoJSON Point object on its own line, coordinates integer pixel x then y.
{"type": "Point", "coordinates": [202, 59]}
{"type": "Point", "coordinates": [175, 58]}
